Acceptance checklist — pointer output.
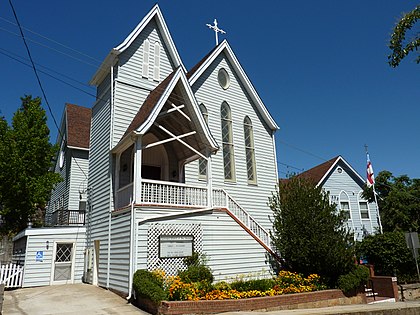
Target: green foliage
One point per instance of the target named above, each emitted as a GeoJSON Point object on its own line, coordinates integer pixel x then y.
{"type": "Point", "coordinates": [149, 285]}
{"type": "Point", "coordinates": [26, 157]}
{"type": "Point", "coordinates": [196, 273]}
{"type": "Point", "coordinates": [354, 280]}
{"type": "Point", "coordinates": [389, 254]}
{"type": "Point", "coordinates": [399, 44]}
{"type": "Point", "coordinates": [309, 232]}
{"type": "Point", "coordinates": [253, 284]}
{"type": "Point", "coordinates": [197, 269]}
{"type": "Point", "coordinates": [398, 200]}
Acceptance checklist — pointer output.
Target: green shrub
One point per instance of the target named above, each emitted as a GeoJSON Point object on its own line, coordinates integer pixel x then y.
{"type": "Point", "coordinates": [254, 284]}
{"type": "Point", "coordinates": [148, 285]}
{"type": "Point", "coordinates": [222, 285]}
{"type": "Point", "coordinates": [354, 280]}
{"type": "Point", "coordinates": [196, 273]}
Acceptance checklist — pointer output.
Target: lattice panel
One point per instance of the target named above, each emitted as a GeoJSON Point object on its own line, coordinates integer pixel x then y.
{"type": "Point", "coordinates": [171, 265]}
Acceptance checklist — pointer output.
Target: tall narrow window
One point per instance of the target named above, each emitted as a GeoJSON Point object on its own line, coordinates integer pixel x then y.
{"type": "Point", "coordinates": [146, 53]}
{"type": "Point", "coordinates": [126, 167]}
{"type": "Point", "coordinates": [227, 141]}
{"type": "Point", "coordinates": [363, 207]}
{"type": "Point", "coordinates": [156, 67]}
{"type": "Point", "coordinates": [345, 205]}
{"type": "Point", "coordinates": [249, 151]}
{"type": "Point", "coordinates": [202, 163]}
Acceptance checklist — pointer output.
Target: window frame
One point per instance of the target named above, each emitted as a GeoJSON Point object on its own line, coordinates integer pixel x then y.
{"type": "Point", "coordinates": [250, 148]}
{"type": "Point", "coordinates": [345, 200]}
{"type": "Point", "coordinates": [201, 161]}
{"type": "Point", "coordinates": [227, 134]}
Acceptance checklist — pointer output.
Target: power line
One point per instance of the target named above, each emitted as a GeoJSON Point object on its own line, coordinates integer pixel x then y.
{"type": "Point", "coordinates": [53, 41]}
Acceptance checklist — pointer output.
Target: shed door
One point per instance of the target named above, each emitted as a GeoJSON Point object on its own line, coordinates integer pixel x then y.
{"type": "Point", "coordinates": [63, 263]}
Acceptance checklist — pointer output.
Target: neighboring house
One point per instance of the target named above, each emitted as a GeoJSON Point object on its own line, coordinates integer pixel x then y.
{"type": "Point", "coordinates": [345, 187]}
{"type": "Point", "coordinates": [55, 254]}
{"type": "Point", "coordinates": [179, 162]}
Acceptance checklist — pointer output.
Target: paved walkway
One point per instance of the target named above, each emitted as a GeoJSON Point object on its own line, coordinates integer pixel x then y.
{"type": "Point", "coordinates": [80, 299]}
{"type": "Point", "coordinates": [73, 299]}
{"type": "Point", "coordinates": [399, 308]}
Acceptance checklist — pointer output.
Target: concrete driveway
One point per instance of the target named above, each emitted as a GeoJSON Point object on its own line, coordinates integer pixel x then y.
{"type": "Point", "coordinates": [66, 299]}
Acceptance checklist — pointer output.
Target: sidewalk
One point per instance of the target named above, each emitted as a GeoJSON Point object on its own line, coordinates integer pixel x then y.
{"type": "Point", "coordinates": [72, 299]}
{"type": "Point", "coordinates": [385, 308]}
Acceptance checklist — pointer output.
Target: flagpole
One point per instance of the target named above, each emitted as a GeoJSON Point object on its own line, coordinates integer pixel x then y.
{"type": "Point", "coordinates": [372, 183]}
{"type": "Point", "coordinates": [377, 210]}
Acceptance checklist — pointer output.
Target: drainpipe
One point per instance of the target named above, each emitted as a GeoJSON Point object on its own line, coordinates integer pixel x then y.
{"type": "Point", "coordinates": [110, 174]}
{"type": "Point", "coordinates": [131, 255]}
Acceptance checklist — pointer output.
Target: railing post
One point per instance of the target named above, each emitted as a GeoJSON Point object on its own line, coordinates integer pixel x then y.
{"type": "Point", "coordinates": [209, 183]}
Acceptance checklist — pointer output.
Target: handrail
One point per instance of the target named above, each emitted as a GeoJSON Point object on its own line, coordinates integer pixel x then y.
{"type": "Point", "coordinates": [241, 214]}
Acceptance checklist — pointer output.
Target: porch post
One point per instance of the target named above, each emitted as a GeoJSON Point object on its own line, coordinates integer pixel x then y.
{"type": "Point", "coordinates": [209, 183]}
{"type": "Point", "coordinates": [137, 170]}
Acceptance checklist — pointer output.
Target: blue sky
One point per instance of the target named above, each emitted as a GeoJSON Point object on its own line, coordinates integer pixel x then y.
{"type": "Point", "coordinates": [319, 66]}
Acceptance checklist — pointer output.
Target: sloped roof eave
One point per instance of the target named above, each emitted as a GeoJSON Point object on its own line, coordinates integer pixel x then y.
{"type": "Point", "coordinates": [224, 46]}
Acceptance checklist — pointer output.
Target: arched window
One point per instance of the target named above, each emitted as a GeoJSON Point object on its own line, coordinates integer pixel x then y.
{"type": "Point", "coordinates": [156, 66]}
{"type": "Point", "coordinates": [249, 150]}
{"type": "Point", "coordinates": [227, 141]}
{"type": "Point", "coordinates": [146, 54]}
{"type": "Point", "coordinates": [202, 163]}
{"type": "Point", "coordinates": [345, 205]}
{"type": "Point", "coordinates": [363, 207]}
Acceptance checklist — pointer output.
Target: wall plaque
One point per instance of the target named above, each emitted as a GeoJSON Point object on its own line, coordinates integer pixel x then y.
{"type": "Point", "coordinates": [175, 246]}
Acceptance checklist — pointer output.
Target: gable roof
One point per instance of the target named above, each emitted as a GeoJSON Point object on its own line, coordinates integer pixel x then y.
{"type": "Point", "coordinates": [199, 69]}
{"type": "Point", "coordinates": [154, 13]}
{"type": "Point", "coordinates": [154, 103]}
{"type": "Point", "coordinates": [78, 126]}
{"type": "Point", "coordinates": [322, 171]}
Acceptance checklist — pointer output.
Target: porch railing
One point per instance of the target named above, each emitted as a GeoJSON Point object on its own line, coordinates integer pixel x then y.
{"type": "Point", "coordinates": [173, 194]}
{"type": "Point", "coordinates": [177, 194]}
{"type": "Point", "coordinates": [68, 217]}
{"type": "Point", "coordinates": [124, 196]}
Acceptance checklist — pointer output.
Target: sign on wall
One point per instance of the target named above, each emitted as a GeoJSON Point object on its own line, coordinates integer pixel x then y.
{"type": "Point", "coordinates": [175, 246]}
{"type": "Point", "coordinates": [39, 256]}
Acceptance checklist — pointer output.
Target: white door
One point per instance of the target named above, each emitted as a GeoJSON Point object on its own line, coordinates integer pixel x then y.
{"type": "Point", "coordinates": [63, 264]}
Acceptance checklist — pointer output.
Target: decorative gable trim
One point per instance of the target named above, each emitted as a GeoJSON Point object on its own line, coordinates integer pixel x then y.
{"type": "Point", "coordinates": [321, 172]}
{"type": "Point", "coordinates": [154, 13]}
{"type": "Point", "coordinates": [199, 69]}
{"type": "Point", "coordinates": [155, 102]}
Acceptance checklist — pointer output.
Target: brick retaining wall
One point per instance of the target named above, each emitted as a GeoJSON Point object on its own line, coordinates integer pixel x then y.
{"type": "Point", "coordinates": [288, 301]}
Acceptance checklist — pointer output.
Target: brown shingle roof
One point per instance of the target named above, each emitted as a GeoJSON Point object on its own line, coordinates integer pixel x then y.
{"type": "Point", "coordinates": [316, 173]}
{"type": "Point", "coordinates": [198, 65]}
{"type": "Point", "coordinates": [149, 104]}
{"type": "Point", "coordinates": [78, 125]}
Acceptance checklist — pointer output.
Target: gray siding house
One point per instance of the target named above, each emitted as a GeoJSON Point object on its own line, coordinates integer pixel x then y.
{"type": "Point", "coordinates": [345, 187]}
{"type": "Point", "coordinates": [55, 254]}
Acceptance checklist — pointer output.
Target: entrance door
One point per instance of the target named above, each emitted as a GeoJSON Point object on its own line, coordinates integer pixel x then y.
{"type": "Point", "coordinates": [63, 263]}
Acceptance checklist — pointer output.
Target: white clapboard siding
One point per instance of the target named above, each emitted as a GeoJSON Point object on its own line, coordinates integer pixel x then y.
{"type": "Point", "coordinates": [347, 182]}
{"type": "Point", "coordinates": [99, 181]}
{"type": "Point", "coordinates": [253, 198]}
{"type": "Point", "coordinates": [78, 177]}
{"type": "Point", "coordinates": [230, 250]}
{"type": "Point", "coordinates": [120, 253]}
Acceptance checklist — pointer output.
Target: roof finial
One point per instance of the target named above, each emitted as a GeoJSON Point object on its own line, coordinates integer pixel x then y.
{"type": "Point", "coordinates": [216, 30]}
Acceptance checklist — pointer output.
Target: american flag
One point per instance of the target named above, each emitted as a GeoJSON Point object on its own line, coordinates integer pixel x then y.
{"type": "Point", "coordinates": [369, 173]}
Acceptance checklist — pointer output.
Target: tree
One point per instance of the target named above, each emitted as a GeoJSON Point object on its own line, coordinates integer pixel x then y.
{"type": "Point", "coordinates": [308, 232]}
{"type": "Point", "coordinates": [399, 45]}
{"type": "Point", "coordinates": [398, 201]}
{"type": "Point", "coordinates": [26, 157]}
{"type": "Point", "coordinates": [389, 254]}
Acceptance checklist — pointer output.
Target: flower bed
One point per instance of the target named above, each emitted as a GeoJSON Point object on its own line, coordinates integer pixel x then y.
{"type": "Point", "coordinates": [280, 302]}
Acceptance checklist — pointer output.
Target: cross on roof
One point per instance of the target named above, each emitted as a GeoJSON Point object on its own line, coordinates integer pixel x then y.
{"type": "Point", "coordinates": [216, 30]}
